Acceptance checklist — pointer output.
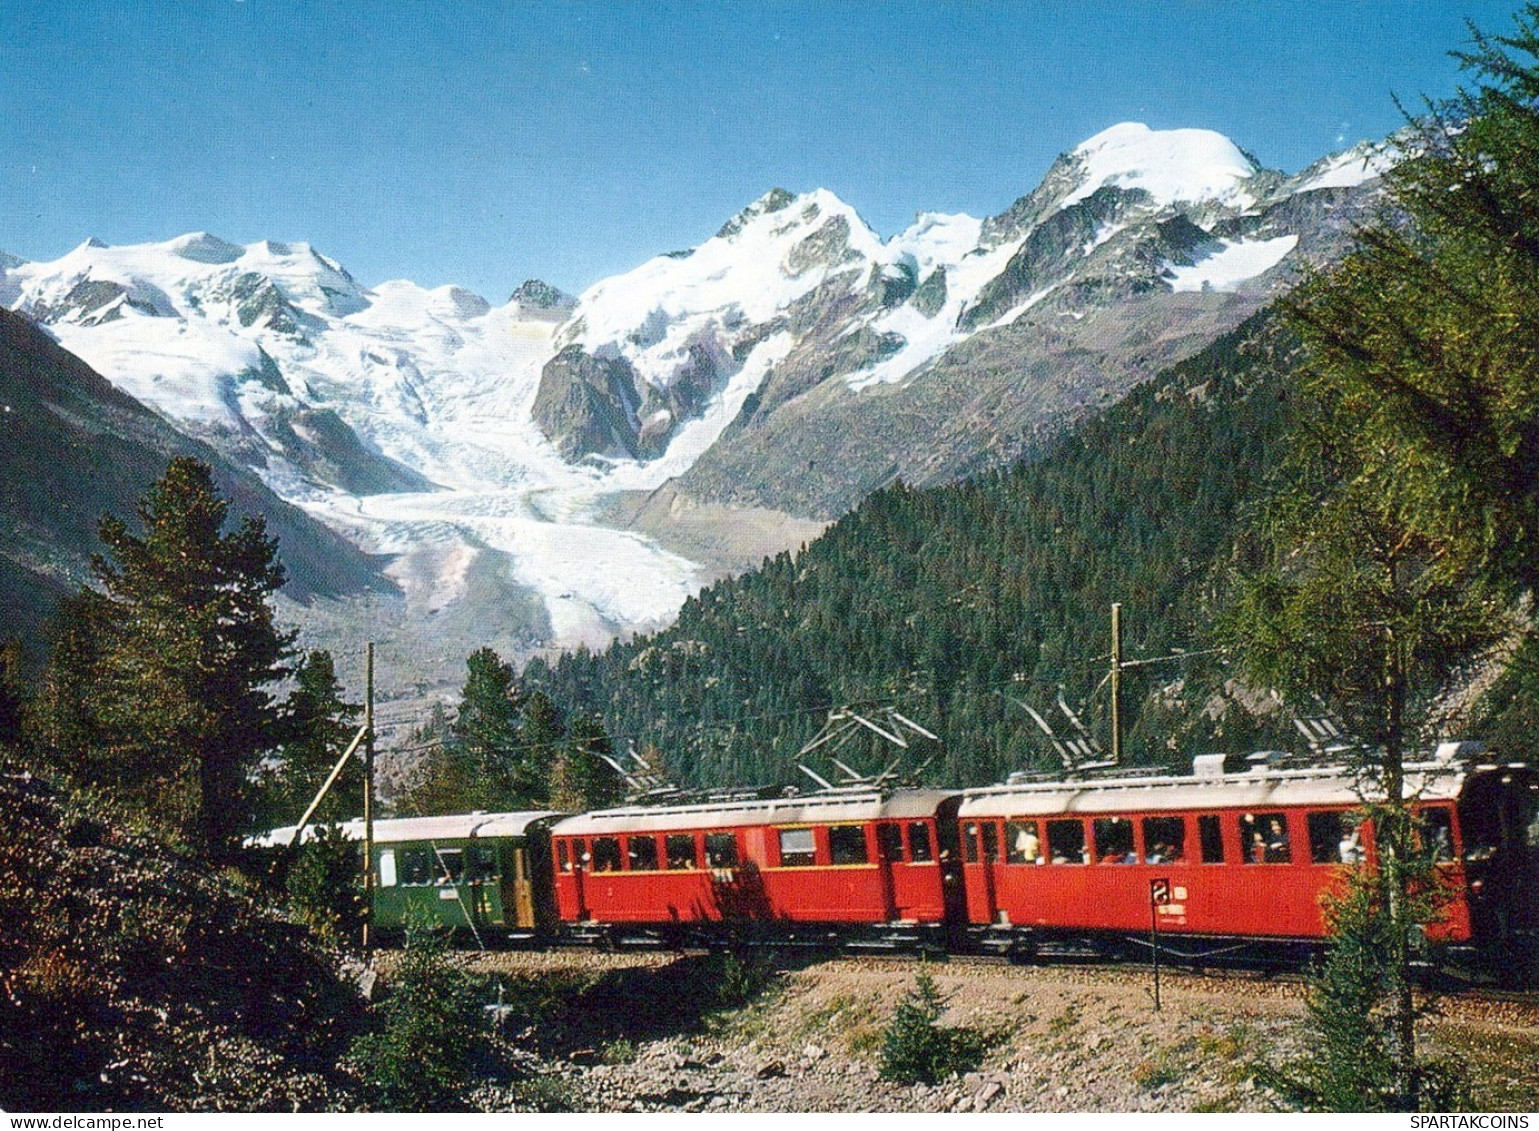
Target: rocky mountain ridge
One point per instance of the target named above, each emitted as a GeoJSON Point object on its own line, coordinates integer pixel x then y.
{"type": "Point", "coordinates": [833, 361]}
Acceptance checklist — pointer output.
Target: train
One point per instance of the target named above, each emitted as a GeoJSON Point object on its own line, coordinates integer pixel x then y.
{"type": "Point", "coordinates": [1225, 861]}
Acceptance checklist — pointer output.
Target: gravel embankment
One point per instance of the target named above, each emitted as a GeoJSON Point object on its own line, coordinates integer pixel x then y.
{"type": "Point", "coordinates": [1066, 1039]}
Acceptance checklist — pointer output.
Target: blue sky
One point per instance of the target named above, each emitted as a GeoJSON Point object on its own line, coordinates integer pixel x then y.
{"type": "Point", "coordinates": [485, 143]}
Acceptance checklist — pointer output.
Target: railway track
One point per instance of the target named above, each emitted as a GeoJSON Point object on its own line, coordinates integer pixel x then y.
{"type": "Point", "coordinates": [1446, 997]}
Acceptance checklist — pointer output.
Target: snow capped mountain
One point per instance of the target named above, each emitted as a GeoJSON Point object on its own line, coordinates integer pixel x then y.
{"type": "Point", "coordinates": [1171, 166]}
{"type": "Point", "coordinates": [523, 466]}
{"type": "Point", "coordinates": [728, 363]}
{"type": "Point", "coordinates": [398, 416]}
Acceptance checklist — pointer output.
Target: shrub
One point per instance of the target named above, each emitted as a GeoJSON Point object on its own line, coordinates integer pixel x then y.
{"type": "Point", "coordinates": [916, 1049]}
{"type": "Point", "coordinates": [430, 1036]}
{"type": "Point", "coordinates": [741, 976]}
{"type": "Point", "coordinates": [323, 887]}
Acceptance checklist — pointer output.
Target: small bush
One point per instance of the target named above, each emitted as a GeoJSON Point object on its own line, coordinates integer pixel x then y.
{"type": "Point", "coordinates": [430, 1035]}
{"type": "Point", "coordinates": [324, 892]}
{"type": "Point", "coordinates": [916, 1049]}
{"type": "Point", "coordinates": [741, 976]}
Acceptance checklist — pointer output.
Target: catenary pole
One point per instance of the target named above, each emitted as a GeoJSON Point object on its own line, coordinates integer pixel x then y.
{"type": "Point", "coordinates": [368, 797]}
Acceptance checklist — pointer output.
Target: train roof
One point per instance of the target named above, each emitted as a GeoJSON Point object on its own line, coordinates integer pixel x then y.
{"type": "Point", "coordinates": [397, 830]}
{"type": "Point", "coordinates": [1254, 789]}
{"type": "Point", "coordinates": [817, 808]}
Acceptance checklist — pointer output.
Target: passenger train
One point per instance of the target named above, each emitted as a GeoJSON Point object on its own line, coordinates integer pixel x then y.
{"type": "Point", "coordinates": [1219, 862]}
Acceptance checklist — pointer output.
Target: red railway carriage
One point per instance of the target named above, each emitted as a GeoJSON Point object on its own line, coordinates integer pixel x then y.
{"type": "Point", "coordinates": [856, 863]}
{"type": "Point", "coordinates": [1235, 855]}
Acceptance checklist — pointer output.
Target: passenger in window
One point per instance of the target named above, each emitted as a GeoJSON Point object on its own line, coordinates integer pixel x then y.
{"type": "Point", "coordinates": [1277, 851]}
{"type": "Point", "coordinates": [1257, 848]}
{"type": "Point", "coordinates": [1158, 854]}
{"type": "Point", "coordinates": [1351, 847]}
{"type": "Point", "coordinates": [1027, 847]}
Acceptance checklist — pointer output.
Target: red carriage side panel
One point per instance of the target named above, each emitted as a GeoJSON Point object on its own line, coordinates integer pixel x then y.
{"type": "Point", "coordinates": [834, 859]}
{"type": "Point", "coordinates": [1254, 855]}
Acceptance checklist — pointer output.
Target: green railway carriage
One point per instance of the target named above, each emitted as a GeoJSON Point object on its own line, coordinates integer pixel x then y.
{"type": "Point", "coordinates": [468, 872]}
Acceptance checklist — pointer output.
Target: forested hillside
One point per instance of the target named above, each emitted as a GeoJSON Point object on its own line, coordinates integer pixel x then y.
{"type": "Point", "coordinates": [947, 602]}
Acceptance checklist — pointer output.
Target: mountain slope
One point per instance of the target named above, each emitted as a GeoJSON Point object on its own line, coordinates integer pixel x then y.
{"type": "Point", "coordinates": [73, 447]}
{"type": "Point", "coordinates": [945, 600]}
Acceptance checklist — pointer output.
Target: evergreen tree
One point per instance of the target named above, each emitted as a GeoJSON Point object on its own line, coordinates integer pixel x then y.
{"type": "Point", "coordinates": [429, 1036]}
{"type": "Point", "coordinates": [487, 730]}
{"type": "Point", "coordinates": [439, 783]}
{"type": "Point", "coordinates": [542, 732]}
{"type": "Point", "coordinates": [1415, 506]}
{"type": "Point", "coordinates": [315, 725]}
{"type": "Point", "coordinates": [157, 687]}
{"type": "Point", "coordinates": [582, 779]}
{"type": "Point", "coordinates": [1429, 334]}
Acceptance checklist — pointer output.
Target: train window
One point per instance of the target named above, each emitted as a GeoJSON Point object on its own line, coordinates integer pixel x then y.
{"type": "Point", "coordinates": [1211, 834]}
{"type": "Point", "coordinates": [970, 844]}
{"type": "Point", "coordinates": [1434, 831]}
{"type": "Point", "coordinates": [1265, 837]}
{"type": "Point", "coordinates": [1021, 843]}
{"type": "Point", "coordinates": [919, 847]}
{"type": "Point", "coordinates": [1114, 841]}
{"type": "Point", "coordinates": [796, 848]}
{"type": "Point", "coordinates": [990, 842]}
{"type": "Point", "coordinates": [480, 864]}
{"type": "Point", "coordinates": [721, 850]}
{"type": "Point", "coordinates": [681, 851]}
{"type": "Point", "coordinates": [416, 866]}
{"type": "Point", "coordinates": [1066, 842]}
{"type": "Point", "coordinates": [1164, 840]}
{"type": "Point", "coordinates": [889, 842]}
{"type": "Point", "coordinates": [1333, 839]}
{"type": "Point", "coordinates": [847, 844]}
{"type": "Point", "coordinates": [606, 854]}
{"type": "Point", "coordinates": [387, 867]}
{"type": "Point", "coordinates": [451, 866]}
{"type": "Point", "coordinates": [563, 856]}
{"type": "Point", "coordinates": [643, 853]}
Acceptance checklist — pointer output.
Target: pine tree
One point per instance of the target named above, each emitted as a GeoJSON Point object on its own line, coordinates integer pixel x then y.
{"type": "Point", "coordinates": [1429, 334]}
{"type": "Point", "coordinates": [11, 705]}
{"type": "Point", "coordinates": [157, 686]}
{"type": "Point", "coordinates": [315, 725]}
{"type": "Point", "coordinates": [429, 1037]}
{"type": "Point", "coordinates": [582, 779]}
{"type": "Point", "coordinates": [487, 730]}
{"type": "Point", "coordinates": [542, 731]}
{"type": "Point", "coordinates": [1409, 517]}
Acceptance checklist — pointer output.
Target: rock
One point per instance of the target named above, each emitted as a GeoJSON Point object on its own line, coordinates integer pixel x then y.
{"type": "Point", "coordinates": [814, 1052]}
{"type": "Point", "coordinates": [770, 1069]}
{"type": "Point", "coordinates": [986, 1094]}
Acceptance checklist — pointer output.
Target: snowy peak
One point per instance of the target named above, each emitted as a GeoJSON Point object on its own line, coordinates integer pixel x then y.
{"type": "Point", "coordinates": [1171, 166]}
{"type": "Point", "coordinates": [764, 259]}
{"type": "Point", "coordinates": [797, 289]}
{"type": "Point", "coordinates": [201, 247]}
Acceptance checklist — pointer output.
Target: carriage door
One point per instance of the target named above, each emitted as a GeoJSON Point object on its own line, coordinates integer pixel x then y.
{"type": "Point", "coordinates": [522, 905]}
{"type": "Point", "coordinates": [953, 894]}
{"type": "Point", "coordinates": [978, 879]}
{"type": "Point", "coordinates": [889, 862]}
{"type": "Point", "coordinates": [580, 862]}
